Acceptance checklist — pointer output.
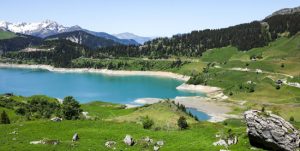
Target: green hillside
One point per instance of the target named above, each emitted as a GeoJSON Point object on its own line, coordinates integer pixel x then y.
{"type": "Point", "coordinates": [6, 34]}
{"type": "Point", "coordinates": [104, 125]}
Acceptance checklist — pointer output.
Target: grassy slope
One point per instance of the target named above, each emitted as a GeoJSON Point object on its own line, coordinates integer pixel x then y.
{"type": "Point", "coordinates": [164, 115]}
{"type": "Point", "coordinates": [94, 133]}
{"type": "Point", "coordinates": [282, 51]}
{"type": "Point", "coordinates": [6, 35]}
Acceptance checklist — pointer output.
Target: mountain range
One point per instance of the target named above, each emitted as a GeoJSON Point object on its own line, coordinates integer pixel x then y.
{"type": "Point", "coordinates": [48, 28]}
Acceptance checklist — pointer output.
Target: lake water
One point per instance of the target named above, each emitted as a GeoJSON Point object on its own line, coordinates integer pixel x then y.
{"type": "Point", "coordinates": [86, 87]}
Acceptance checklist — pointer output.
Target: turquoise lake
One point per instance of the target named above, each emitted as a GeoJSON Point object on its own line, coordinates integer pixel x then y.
{"type": "Point", "coordinates": [86, 87]}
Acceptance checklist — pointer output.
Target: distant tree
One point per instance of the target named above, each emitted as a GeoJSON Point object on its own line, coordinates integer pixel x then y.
{"type": "Point", "coordinates": [282, 65]}
{"type": "Point", "coordinates": [4, 119]}
{"type": "Point", "coordinates": [182, 123]}
{"type": "Point", "coordinates": [277, 87]}
{"type": "Point", "coordinates": [71, 108]}
{"type": "Point", "coordinates": [147, 122]}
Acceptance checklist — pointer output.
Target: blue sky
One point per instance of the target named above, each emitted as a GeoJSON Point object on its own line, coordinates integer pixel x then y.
{"type": "Point", "coordinates": [142, 17]}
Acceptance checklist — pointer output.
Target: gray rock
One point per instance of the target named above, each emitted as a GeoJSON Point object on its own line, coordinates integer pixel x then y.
{"type": "Point", "coordinates": [269, 131]}
{"type": "Point", "coordinates": [156, 148]}
{"type": "Point", "coordinates": [75, 137]}
{"type": "Point", "coordinates": [110, 144]}
{"type": "Point", "coordinates": [148, 139]}
{"type": "Point", "coordinates": [160, 143]}
{"type": "Point", "coordinates": [56, 119]}
{"type": "Point", "coordinates": [128, 140]}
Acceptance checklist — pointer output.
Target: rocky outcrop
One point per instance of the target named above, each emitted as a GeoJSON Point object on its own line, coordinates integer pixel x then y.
{"type": "Point", "coordinates": [269, 131]}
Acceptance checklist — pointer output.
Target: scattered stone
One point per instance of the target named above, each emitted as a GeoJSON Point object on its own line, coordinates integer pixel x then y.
{"type": "Point", "coordinates": [14, 133]}
{"type": "Point", "coordinates": [128, 140]}
{"type": "Point", "coordinates": [232, 141]}
{"type": "Point", "coordinates": [279, 82]}
{"type": "Point", "coordinates": [271, 132]}
{"type": "Point", "coordinates": [45, 141]}
{"type": "Point", "coordinates": [160, 143]}
{"type": "Point", "coordinates": [36, 142]}
{"type": "Point", "coordinates": [56, 119]}
{"type": "Point", "coordinates": [148, 139]}
{"type": "Point", "coordinates": [75, 137]}
{"type": "Point", "coordinates": [85, 114]}
{"type": "Point", "coordinates": [221, 142]}
{"type": "Point", "coordinates": [156, 148]}
{"type": "Point", "coordinates": [226, 142]}
{"type": "Point", "coordinates": [110, 144]}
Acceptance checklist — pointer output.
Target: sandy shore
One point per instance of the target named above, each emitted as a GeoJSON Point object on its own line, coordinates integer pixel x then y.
{"type": "Point", "coordinates": [198, 88]}
{"type": "Point", "coordinates": [101, 71]}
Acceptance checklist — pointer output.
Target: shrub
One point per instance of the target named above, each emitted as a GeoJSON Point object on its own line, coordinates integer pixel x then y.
{"type": "Point", "coordinates": [4, 119]}
{"type": "Point", "coordinates": [182, 123]}
{"type": "Point", "coordinates": [277, 87]}
{"type": "Point", "coordinates": [21, 111]}
{"type": "Point", "coordinates": [292, 119]}
{"type": "Point", "coordinates": [147, 122]}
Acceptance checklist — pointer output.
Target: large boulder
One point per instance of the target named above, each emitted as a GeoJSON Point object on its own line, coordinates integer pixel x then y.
{"type": "Point", "coordinates": [269, 131]}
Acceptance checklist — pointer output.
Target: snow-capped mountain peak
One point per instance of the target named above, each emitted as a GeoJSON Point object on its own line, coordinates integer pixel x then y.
{"type": "Point", "coordinates": [41, 29]}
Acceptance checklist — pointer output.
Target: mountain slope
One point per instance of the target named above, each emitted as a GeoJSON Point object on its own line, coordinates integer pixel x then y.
{"type": "Point", "coordinates": [47, 28]}
{"type": "Point", "coordinates": [13, 42]}
{"type": "Point", "coordinates": [139, 39]}
{"type": "Point", "coordinates": [84, 38]}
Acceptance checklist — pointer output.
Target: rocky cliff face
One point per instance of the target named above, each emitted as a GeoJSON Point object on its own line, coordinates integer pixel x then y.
{"type": "Point", "coordinates": [270, 131]}
{"type": "Point", "coordinates": [285, 11]}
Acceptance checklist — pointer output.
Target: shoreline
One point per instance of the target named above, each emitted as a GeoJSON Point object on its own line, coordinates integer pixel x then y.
{"type": "Point", "coordinates": [164, 74]}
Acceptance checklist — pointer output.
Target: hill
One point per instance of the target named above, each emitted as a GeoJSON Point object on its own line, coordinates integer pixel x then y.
{"type": "Point", "coordinates": [84, 38]}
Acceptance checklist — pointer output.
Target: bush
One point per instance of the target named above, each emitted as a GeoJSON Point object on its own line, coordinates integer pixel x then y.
{"type": "Point", "coordinates": [71, 108]}
{"type": "Point", "coordinates": [182, 123]}
{"type": "Point", "coordinates": [277, 87]}
{"type": "Point", "coordinates": [4, 119]}
{"type": "Point", "coordinates": [292, 119]}
{"type": "Point", "coordinates": [20, 111]}
{"type": "Point", "coordinates": [147, 122]}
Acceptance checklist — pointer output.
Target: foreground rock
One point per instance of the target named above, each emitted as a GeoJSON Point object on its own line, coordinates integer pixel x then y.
{"type": "Point", "coordinates": [128, 140]}
{"type": "Point", "coordinates": [270, 131]}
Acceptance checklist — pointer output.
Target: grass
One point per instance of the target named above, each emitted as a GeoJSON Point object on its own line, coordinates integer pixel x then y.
{"type": "Point", "coordinates": [6, 35]}
{"type": "Point", "coordinates": [94, 133]}
{"type": "Point", "coordinates": [164, 115]}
